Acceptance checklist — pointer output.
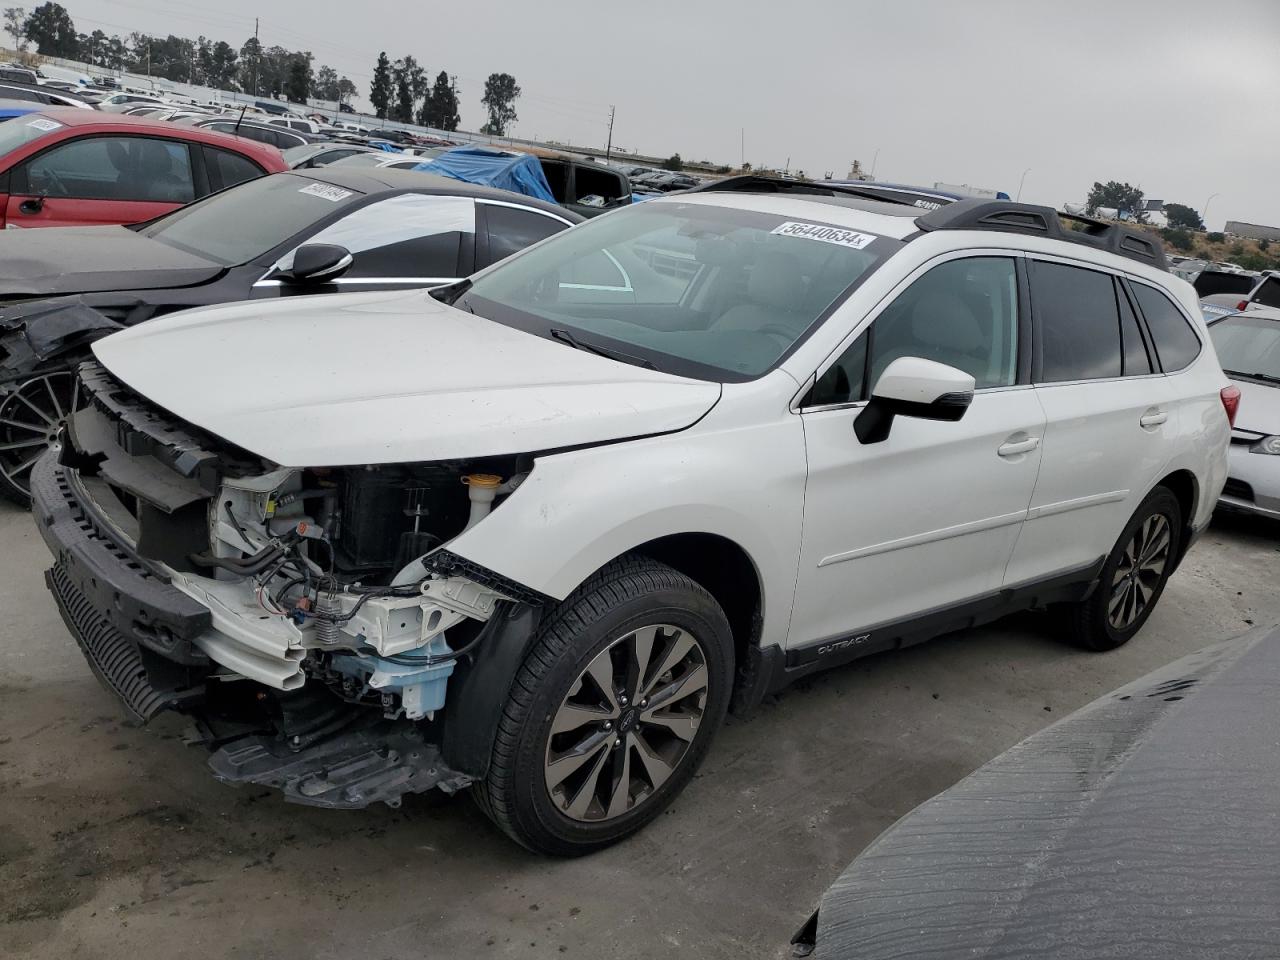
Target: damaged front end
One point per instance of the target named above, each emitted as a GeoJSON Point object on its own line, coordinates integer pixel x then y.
{"type": "Point", "coordinates": [309, 620]}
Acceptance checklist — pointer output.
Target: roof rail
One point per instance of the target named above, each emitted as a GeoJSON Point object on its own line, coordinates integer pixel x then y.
{"type": "Point", "coordinates": [754, 183]}
{"type": "Point", "coordinates": [1005, 216]}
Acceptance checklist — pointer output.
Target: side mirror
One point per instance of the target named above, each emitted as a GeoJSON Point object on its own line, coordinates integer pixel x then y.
{"type": "Point", "coordinates": [314, 262]}
{"type": "Point", "coordinates": [913, 387]}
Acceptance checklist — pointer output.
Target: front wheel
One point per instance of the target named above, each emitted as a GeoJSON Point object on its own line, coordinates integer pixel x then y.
{"type": "Point", "coordinates": [612, 711]}
{"type": "Point", "coordinates": [31, 415]}
{"type": "Point", "coordinates": [1134, 575]}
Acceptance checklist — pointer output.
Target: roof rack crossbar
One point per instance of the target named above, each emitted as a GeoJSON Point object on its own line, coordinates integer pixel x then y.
{"type": "Point", "coordinates": [1007, 216]}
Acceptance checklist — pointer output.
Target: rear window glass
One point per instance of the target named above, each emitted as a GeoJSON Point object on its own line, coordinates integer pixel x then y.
{"type": "Point", "coordinates": [245, 222]}
{"type": "Point", "coordinates": [1079, 323]}
{"type": "Point", "coordinates": [1176, 343]}
{"type": "Point", "coordinates": [1248, 346]}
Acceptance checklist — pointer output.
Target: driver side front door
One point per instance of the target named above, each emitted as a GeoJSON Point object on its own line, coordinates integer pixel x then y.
{"type": "Point", "coordinates": [927, 518]}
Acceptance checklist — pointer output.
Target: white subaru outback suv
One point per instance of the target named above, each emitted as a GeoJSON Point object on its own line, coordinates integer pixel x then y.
{"type": "Point", "coordinates": [535, 532]}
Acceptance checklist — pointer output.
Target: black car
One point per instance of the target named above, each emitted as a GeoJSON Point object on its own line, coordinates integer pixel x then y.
{"type": "Point", "coordinates": [309, 232]}
{"type": "Point", "coordinates": [49, 97]}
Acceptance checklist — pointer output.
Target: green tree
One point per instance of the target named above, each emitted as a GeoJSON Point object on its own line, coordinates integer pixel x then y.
{"type": "Point", "coordinates": [15, 24]}
{"type": "Point", "coordinates": [1263, 244]}
{"type": "Point", "coordinates": [298, 85]}
{"type": "Point", "coordinates": [440, 109]}
{"type": "Point", "coordinates": [500, 95]}
{"type": "Point", "coordinates": [218, 65]}
{"type": "Point", "coordinates": [1216, 237]}
{"type": "Point", "coordinates": [380, 91]}
{"type": "Point", "coordinates": [324, 85]}
{"type": "Point", "coordinates": [1178, 237]}
{"type": "Point", "coordinates": [346, 90]}
{"type": "Point", "coordinates": [1125, 198]}
{"type": "Point", "coordinates": [50, 28]}
{"type": "Point", "coordinates": [673, 162]}
{"type": "Point", "coordinates": [1180, 215]}
{"type": "Point", "coordinates": [250, 63]}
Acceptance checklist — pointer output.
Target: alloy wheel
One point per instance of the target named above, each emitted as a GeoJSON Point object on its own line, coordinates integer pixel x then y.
{"type": "Point", "coordinates": [626, 723]}
{"type": "Point", "coordinates": [30, 418]}
{"type": "Point", "coordinates": [1139, 572]}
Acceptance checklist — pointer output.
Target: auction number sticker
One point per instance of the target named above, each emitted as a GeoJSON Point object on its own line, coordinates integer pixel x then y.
{"type": "Point", "coordinates": [43, 123]}
{"type": "Point", "coordinates": [325, 192]}
{"type": "Point", "coordinates": [818, 231]}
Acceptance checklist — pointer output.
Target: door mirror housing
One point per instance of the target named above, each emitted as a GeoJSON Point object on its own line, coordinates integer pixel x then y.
{"type": "Point", "coordinates": [318, 262]}
{"type": "Point", "coordinates": [914, 387]}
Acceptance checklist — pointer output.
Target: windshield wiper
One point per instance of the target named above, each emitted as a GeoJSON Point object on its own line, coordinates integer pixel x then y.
{"type": "Point", "coordinates": [564, 336]}
{"type": "Point", "coordinates": [1267, 377]}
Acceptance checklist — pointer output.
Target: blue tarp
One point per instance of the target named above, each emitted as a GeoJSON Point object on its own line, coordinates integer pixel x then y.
{"type": "Point", "coordinates": [517, 172]}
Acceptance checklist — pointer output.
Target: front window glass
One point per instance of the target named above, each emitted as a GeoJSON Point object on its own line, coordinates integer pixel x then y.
{"type": "Point", "coordinates": [410, 235]}
{"type": "Point", "coordinates": [1248, 346]}
{"type": "Point", "coordinates": [243, 223]}
{"type": "Point", "coordinates": [708, 291]}
{"type": "Point", "coordinates": [114, 168]}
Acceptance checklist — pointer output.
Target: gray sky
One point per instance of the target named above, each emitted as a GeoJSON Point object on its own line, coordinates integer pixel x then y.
{"type": "Point", "coordinates": [1178, 97]}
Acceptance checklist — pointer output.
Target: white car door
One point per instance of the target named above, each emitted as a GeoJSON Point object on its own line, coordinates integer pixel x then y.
{"type": "Point", "coordinates": [1111, 420]}
{"type": "Point", "coordinates": [927, 518]}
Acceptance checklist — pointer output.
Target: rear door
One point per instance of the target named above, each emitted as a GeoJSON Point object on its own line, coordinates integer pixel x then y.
{"type": "Point", "coordinates": [1110, 419]}
{"type": "Point", "coordinates": [100, 180]}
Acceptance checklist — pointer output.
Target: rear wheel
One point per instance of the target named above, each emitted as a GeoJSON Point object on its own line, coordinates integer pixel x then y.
{"type": "Point", "coordinates": [31, 416]}
{"type": "Point", "coordinates": [612, 712]}
{"type": "Point", "coordinates": [1134, 575]}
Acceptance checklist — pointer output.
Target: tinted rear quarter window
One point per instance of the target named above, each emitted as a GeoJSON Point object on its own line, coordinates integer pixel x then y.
{"type": "Point", "coordinates": [1078, 322]}
{"type": "Point", "coordinates": [512, 229]}
{"type": "Point", "coordinates": [226, 169]}
{"type": "Point", "coordinates": [1136, 359]}
{"type": "Point", "coordinates": [1176, 343]}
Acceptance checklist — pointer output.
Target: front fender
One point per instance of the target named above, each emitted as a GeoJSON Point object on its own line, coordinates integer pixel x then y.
{"type": "Point", "coordinates": [580, 509]}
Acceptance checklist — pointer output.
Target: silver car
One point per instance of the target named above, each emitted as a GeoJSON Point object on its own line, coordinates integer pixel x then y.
{"type": "Point", "coordinates": [1248, 346]}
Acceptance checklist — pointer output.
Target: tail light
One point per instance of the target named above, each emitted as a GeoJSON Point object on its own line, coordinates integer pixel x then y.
{"type": "Point", "coordinates": [1242, 306]}
{"type": "Point", "coordinates": [1230, 402]}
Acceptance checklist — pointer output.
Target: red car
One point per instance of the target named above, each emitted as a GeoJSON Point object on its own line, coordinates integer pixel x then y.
{"type": "Point", "coordinates": [64, 167]}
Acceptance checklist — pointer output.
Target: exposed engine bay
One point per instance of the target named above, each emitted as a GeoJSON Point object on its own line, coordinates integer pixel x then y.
{"type": "Point", "coordinates": [332, 609]}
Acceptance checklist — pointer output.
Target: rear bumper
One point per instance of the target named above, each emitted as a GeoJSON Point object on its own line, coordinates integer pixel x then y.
{"type": "Point", "coordinates": [134, 627]}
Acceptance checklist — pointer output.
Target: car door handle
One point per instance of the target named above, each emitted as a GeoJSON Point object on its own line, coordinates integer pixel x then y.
{"type": "Point", "coordinates": [1153, 419]}
{"type": "Point", "coordinates": [1016, 447]}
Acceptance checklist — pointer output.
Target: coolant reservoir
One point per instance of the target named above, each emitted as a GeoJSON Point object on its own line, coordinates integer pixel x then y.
{"type": "Point", "coordinates": [481, 489]}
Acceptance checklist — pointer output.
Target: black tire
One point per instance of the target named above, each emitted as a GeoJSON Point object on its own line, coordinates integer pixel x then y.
{"type": "Point", "coordinates": [1093, 626]}
{"type": "Point", "coordinates": [627, 595]}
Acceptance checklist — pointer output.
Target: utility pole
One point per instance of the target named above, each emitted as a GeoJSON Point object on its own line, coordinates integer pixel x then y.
{"type": "Point", "coordinates": [608, 147]}
{"type": "Point", "coordinates": [257, 56]}
{"type": "Point", "coordinates": [742, 147]}
{"type": "Point", "coordinates": [148, 58]}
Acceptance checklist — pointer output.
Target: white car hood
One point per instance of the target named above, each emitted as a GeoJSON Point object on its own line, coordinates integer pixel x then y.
{"type": "Point", "coordinates": [394, 377]}
{"type": "Point", "coordinates": [1259, 410]}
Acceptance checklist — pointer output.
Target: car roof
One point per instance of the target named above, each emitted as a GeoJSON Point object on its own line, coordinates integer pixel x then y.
{"type": "Point", "coordinates": [118, 122]}
{"type": "Point", "coordinates": [371, 180]}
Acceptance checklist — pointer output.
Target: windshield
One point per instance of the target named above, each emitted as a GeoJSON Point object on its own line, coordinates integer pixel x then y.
{"type": "Point", "coordinates": [250, 219]}
{"type": "Point", "coordinates": [705, 291]}
{"type": "Point", "coordinates": [1248, 346]}
{"type": "Point", "coordinates": [24, 130]}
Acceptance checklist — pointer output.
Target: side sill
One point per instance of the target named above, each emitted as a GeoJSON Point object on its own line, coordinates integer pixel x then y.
{"type": "Point", "coordinates": [1066, 587]}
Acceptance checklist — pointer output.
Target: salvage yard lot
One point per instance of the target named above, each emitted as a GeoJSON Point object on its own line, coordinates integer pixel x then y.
{"type": "Point", "coordinates": [114, 840]}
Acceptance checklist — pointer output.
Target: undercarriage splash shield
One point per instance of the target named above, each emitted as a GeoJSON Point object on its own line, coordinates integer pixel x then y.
{"type": "Point", "coordinates": [379, 764]}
